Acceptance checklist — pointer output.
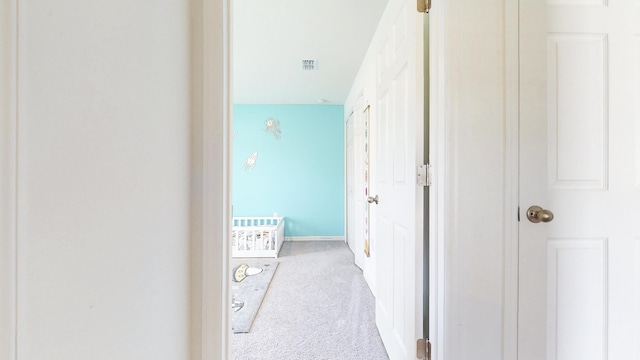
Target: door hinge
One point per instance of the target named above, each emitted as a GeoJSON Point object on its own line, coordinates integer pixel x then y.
{"type": "Point", "coordinates": [424, 349]}
{"type": "Point", "coordinates": [425, 175]}
{"type": "Point", "coordinates": [424, 6]}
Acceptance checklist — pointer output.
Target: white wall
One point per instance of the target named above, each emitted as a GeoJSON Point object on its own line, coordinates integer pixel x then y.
{"type": "Point", "coordinates": [477, 119]}
{"type": "Point", "coordinates": [103, 179]}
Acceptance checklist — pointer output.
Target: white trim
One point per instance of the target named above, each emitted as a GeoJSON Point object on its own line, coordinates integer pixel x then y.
{"type": "Point", "coordinates": [420, 213]}
{"type": "Point", "coordinates": [211, 172]}
{"type": "Point", "coordinates": [511, 193]}
{"type": "Point", "coordinates": [8, 178]}
{"type": "Point", "coordinates": [314, 238]}
{"type": "Point", "coordinates": [448, 182]}
{"type": "Point", "coordinates": [437, 203]}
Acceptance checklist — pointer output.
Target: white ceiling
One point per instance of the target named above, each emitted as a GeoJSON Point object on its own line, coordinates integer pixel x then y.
{"type": "Point", "coordinates": [271, 37]}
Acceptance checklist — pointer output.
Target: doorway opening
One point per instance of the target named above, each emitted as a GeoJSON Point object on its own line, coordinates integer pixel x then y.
{"type": "Point", "coordinates": [298, 74]}
{"type": "Point", "coordinates": [294, 65]}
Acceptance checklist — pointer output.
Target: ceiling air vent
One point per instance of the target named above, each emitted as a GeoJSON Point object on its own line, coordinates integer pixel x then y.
{"type": "Point", "coordinates": [309, 64]}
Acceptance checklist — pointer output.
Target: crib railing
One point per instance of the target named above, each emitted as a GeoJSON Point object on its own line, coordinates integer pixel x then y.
{"type": "Point", "coordinates": [257, 236]}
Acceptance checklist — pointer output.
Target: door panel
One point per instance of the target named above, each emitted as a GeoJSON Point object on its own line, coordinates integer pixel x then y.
{"type": "Point", "coordinates": [577, 84]}
{"type": "Point", "coordinates": [577, 293]}
{"type": "Point", "coordinates": [579, 151]}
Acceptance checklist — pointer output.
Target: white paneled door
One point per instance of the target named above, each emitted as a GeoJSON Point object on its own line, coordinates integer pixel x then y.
{"type": "Point", "coordinates": [398, 213]}
{"type": "Point", "coordinates": [580, 159]}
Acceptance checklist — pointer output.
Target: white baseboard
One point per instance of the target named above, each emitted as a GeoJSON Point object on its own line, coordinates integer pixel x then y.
{"type": "Point", "coordinates": [314, 238]}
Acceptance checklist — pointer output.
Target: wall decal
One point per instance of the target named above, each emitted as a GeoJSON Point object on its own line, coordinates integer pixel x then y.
{"type": "Point", "coordinates": [250, 162]}
{"type": "Point", "coordinates": [273, 127]}
{"type": "Point", "coordinates": [235, 132]}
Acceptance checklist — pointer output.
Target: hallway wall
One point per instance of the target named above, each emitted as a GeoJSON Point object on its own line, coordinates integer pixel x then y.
{"type": "Point", "coordinates": [103, 191]}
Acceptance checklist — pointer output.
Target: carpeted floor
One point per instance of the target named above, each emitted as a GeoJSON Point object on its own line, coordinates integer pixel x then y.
{"type": "Point", "coordinates": [318, 307]}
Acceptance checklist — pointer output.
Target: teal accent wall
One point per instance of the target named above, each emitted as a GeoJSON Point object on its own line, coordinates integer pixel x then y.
{"type": "Point", "coordinates": [300, 176]}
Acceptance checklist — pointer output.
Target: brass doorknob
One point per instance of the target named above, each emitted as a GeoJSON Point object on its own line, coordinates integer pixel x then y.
{"type": "Point", "coordinates": [372, 199]}
{"type": "Point", "coordinates": [537, 214]}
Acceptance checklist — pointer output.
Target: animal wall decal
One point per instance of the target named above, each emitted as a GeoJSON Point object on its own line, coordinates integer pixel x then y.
{"type": "Point", "coordinates": [249, 163]}
{"type": "Point", "coordinates": [273, 127]}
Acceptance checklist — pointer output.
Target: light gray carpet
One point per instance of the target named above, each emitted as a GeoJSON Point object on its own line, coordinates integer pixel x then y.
{"type": "Point", "coordinates": [248, 295]}
{"type": "Point", "coordinates": [318, 307]}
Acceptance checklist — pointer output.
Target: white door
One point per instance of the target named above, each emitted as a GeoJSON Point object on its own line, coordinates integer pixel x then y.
{"type": "Point", "coordinates": [580, 158]}
{"type": "Point", "coordinates": [398, 214]}
{"type": "Point", "coordinates": [356, 199]}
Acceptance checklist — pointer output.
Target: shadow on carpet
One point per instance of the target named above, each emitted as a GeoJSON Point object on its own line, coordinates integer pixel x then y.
{"type": "Point", "coordinates": [250, 282]}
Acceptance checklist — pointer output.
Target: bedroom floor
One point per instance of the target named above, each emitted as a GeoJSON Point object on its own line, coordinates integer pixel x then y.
{"type": "Point", "coordinates": [318, 306]}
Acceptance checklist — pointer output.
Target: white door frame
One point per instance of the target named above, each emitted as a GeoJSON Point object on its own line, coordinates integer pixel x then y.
{"type": "Point", "coordinates": [211, 195]}
{"type": "Point", "coordinates": [437, 217]}
{"type": "Point", "coordinates": [438, 131]}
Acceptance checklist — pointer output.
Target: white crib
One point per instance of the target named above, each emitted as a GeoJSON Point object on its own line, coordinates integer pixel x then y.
{"type": "Point", "coordinates": [257, 236]}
